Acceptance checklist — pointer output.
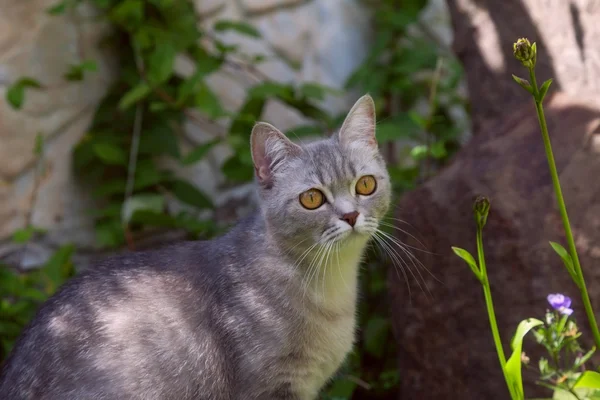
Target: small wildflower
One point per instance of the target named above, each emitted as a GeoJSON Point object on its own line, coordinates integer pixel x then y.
{"type": "Point", "coordinates": [481, 209]}
{"type": "Point", "coordinates": [524, 51]}
{"type": "Point", "coordinates": [524, 359]}
{"type": "Point", "coordinates": [560, 303]}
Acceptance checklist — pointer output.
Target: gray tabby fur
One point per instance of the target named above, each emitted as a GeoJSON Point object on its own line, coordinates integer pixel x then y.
{"type": "Point", "coordinates": [253, 314]}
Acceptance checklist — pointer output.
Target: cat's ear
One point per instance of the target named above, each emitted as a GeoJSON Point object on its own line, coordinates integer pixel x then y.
{"type": "Point", "coordinates": [269, 148]}
{"type": "Point", "coordinates": [359, 125]}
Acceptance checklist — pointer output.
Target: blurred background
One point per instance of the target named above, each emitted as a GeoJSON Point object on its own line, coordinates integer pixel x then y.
{"type": "Point", "coordinates": [124, 125]}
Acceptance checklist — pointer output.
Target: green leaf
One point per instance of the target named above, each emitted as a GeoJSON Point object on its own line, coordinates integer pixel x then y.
{"type": "Point", "coordinates": [316, 90]}
{"type": "Point", "coordinates": [146, 175]}
{"type": "Point", "coordinates": [237, 171]}
{"type": "Point", "coordinates": [160, 63]}
{"type": "Point", "coordinates": [110, 153]}
{"type": "Point", "coordinates": [524, 83]}
{"type": "Point", "coordinates": [401, 126]}
{"type": "Point", "coordinates": [468, 258]}
{"type": "Point", "coordinates": [567, 260]}
{"type": "Point", "coordinates": [137, 93]}
{"type": "Point", "coordinates": [544, 90]}
{"type": "Point", "coordinates": [580, 360]}
{"type": "Point", "coordinates": [271, 89]}
{"type": "Point", "coordinates": [341, 389]}
{"type": "Point", "coordinates": [419, 152]}
{"type": "Point", "coordinates": [307, 109]}
{"type": "Point", "coordinates": [438, 150]}
{"type": "Point", "coordinates": [189, 194]}
{"type": "Point", "coordinates": [162, 3]}
{"type": "Point", "coordinates": [24, 235]}
{"type": "Point", "coordinates": [237, 26]}
{"type": "Point", "coordinates": [15, 94]}
{"type": "Point", "coordinates": [582, 394]}
{"type": "Point", "coordinates": [142, 202]}
{"type": "Point", "coordinates": [58, 8]}
{"type": "Point", "coordinates": [76, 72]}
{"type": "Point", "coordinates": [190, 86]}
{"type": "Point", "coordinates": [110, 233]}
{"type": "Point", "coordinates": [513, 365]}
{"type": "Point", "coordinates": [589, 380]}
{"type": "Point", "coordinates": [247, 116]}
{"type": "Point", "coordinates": [199, 152]}
{"type": "Point", "coordinates": [208, 102]}
{"type": "Point", "coordinates": [58, 268]}
{"type": "Point", "coordinates": [129, 14]}
{"type": "Point", "coordinates": [158, 137]}
{"type": "Point", "coordinates": [38, 148]}
{"type": "Point", "coordinates": [375, 335]}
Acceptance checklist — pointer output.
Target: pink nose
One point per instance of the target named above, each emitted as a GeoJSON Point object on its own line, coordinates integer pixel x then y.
{"type": "Point", "coordinates": [350, 217]}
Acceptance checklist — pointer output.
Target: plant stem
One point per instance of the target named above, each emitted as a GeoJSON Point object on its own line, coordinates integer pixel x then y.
{"type": "Point", "coordinates": [563, 211]}
{"type": "Point", "coordinates": [490, 309]}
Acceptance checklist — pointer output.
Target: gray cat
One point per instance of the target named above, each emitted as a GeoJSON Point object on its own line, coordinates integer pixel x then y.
{"type": "Point", "coordinates": [266, 311]}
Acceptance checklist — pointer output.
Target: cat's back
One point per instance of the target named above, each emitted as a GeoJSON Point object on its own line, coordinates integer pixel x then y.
{"type": "Point", "coordinates": [136, 315]}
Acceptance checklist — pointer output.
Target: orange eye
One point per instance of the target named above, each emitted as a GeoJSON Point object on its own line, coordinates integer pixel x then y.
{"type": "Point", "coordinates": [366, 185]}
{"type": "Point", "coordinates": [312, 199]}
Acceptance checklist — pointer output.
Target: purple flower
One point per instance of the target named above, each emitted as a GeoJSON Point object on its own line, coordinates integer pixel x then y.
{"type": "Point", "coordinates": [560, 303]}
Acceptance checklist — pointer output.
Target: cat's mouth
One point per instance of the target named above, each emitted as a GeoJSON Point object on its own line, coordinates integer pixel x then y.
{"type": "Point", "coordinates": [344, 235]}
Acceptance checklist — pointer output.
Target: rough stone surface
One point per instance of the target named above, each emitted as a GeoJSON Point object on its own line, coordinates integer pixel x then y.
{"type": "Point", "coordinates": [38, 45]}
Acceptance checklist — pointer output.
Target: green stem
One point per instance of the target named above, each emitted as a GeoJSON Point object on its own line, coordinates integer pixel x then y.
{"type": "Point", "coordinates": [490, 309]}
{"type": "Point", "coordinates": [563, 212]}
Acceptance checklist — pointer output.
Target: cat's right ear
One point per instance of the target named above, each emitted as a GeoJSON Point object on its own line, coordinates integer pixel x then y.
{"type": "Point", "coordinates": [269, 148]}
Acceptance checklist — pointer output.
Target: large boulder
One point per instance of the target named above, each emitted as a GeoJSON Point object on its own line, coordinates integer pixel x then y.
{"type": "Point", "coordinates": [446, 346]}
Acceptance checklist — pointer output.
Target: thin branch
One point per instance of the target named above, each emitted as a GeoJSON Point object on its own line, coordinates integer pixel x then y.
{"type": "Point", "coordinates": [432, 109]}
{"type": "Point", "coordinates": [133, 154]}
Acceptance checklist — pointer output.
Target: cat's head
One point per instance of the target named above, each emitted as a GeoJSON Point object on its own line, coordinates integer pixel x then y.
{"type": "Point", "coordinates": [326, 191]}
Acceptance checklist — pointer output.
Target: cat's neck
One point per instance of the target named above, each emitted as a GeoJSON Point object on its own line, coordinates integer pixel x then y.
{"type": "Point", "coordinates": [330, 273]}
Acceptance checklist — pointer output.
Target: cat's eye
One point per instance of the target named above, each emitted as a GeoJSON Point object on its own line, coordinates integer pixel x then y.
{"type": "Point", "coordinates": [312, 199]}
{"type": "Point", "coordinates": [366, 185]}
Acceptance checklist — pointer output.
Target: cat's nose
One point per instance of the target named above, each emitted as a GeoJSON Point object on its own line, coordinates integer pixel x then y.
{"type": "Point", "coordinates": [350, 217]}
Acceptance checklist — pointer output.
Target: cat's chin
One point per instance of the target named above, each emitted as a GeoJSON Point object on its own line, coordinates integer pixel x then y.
{"type": "Point", "coordinates": [354, 237]}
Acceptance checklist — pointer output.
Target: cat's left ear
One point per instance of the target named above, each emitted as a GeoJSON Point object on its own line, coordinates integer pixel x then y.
{"type": "Point", "coordinates": [359, 125]}
{"type": "Point", "coordinates": [269, 148]}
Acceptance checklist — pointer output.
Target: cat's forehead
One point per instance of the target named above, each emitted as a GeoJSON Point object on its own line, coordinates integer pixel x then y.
{"type": "Point", "coordinates": [327, 163]}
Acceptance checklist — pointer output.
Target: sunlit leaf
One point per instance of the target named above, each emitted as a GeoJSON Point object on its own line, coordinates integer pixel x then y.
{"type": "Point", "coordinates": [589, 379]}
{"type": "Point", "coordinates": [468, 258]}
{"type": "Point", "coordinates": [513, 365]}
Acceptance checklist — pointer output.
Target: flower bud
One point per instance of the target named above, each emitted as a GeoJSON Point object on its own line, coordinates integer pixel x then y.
{"type": "Point", "coordinates": [525, 52]}
{"type": "Point", "coordinates": [481, 209]}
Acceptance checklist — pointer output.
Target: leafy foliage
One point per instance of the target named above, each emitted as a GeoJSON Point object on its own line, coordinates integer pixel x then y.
{"type": "Point", "coordinates": [21, 293]}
